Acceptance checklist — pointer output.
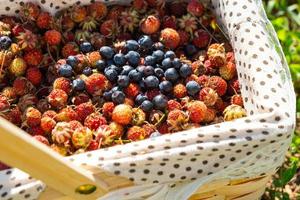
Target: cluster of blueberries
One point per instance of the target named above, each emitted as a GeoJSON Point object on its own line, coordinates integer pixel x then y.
{"type": "Point", "coordinates": [161, 70]}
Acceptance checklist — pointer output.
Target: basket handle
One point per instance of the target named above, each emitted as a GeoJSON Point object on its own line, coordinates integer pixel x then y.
{"type": "Point", "coordinates": [20, 150]}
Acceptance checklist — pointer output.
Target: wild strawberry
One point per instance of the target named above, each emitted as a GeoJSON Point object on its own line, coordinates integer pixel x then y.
{"type": "Point", "coordinates": [115, 12]}
{"type": "Point", "coordinates": [116, 130]}
{"type": "Point", "coordinates": [22, 86]}
{"type": "Point", "coordinates": [177, 120]}
{"type": "Point", "coordinates": [42, 139]}
{"type": "Point", "coordinates": [208, 96]}
{"type": "Point", "coordinates": [33, 57]}
{"type": "Point", "coordinates": [95, 84]}
{"type": "Point", "coordinates": [132, 90]}
{"type": "Point", "coordinates": [178, 8]}
{"type": "Point", "coordinates": [179, 91]}
{"type": "Point", "coordinates": [129, 20]}
{"type": "Point", "coordinates": [169, 22]}
{"type": "Point", "coordinates": [230, 57]}
{"type": "Point", "coordinates": [234, 86]}
{"type": "Point", "coordinates": [234, 112]}
{"type": "Point", "coordinates": [122, 114]}
{"type": "Point", "coordinates": [34, 75]}
{"type": "Point", "coordinates": [67, 23]}
{"type": "Point", "coordinates": [170, 38]}
{"type": "Point", "coordinates": [14, 115]}
{"type": "Point", "coordinates": [4, 103]}
{"type": "Point", "coordinates": [139, 5]}
{"type": "Point", "coordinates": [103, 135]}
{"type": "Point", "coordinates": [69, 49]}
{"type": "Point", "coordinates": [196, 111]}
{"type": "Point", "coordinates": [10, 93]}
{"type": "Point", "coordinates": [195, 7]}
{"type": "Point", "coordinates": [97, 10]}
{"type": "Point", "coordinates": [109, 28]}
{"type": "Point", "coordinates": [237, 99]}
{"type": "Point", "coordinates": [49, 113]}
{"type": "Point", "coordinates": [136, 133]}
{"type": "Point", "coordinates": [36, 130]}
{"type": "Point", "coordinates": [27, 40]}
{"type": "Point", "coordinates": [74, 124]}
{"type": "Point", "coordinates": [17, 67]}
{"type": "Point", "coordinates": [93, 57]}
{"type": "Point", "coordinates": [30, 11]}
{"type": "Point", "coordinates": [84, 109]}
{"type": "Point", "coordinates": [94, 145]}
{"type": "Point", "coordinates": [44, 20]}
{"type": "Point", "coordinates": [47, 124]}
{"type": "Point", "coordinates": [32, 117]}
{"type": "Point", "coordinates": [138, 116]}
{"type": "Point", "coordinates": [52, 37]}
{"type": "Point", "coordinates": [63, 84]}
{"type": "Point", "coordinates": [188, 23]}
{"type": "Point", "coordinates": [107, 109]}
{"type": "Point", "coordinates": [228, 71]}
{"type": "Point", "coordinates": [82, 137]}
{"type": "Point", "coordinates": [58, 98]}
{"type": "Point", "coordinates": [150, 24]}
{"type": "Point", "coordinates": [80, 98]}
{"type": "Point", "coordinates": [26, 101]}
{"type": "Point", "coordinates": [97, 40]}
{"type": "Point", "coordinates": [210, 115]}
{"type": "Point", "coordinates": [184, 37]}
{"type": "Point", "coordinates": [218, 84]}
{"type": "Point", "coordinates": [78, 13]}
{"type": "Point", "coordinates": [201, 38]}
{"type": "Point", "coordinates": [149, 129]}
{"type": "Point", "coordinates": [216, 54]}
{"type": "Point", "coordinates": [163, 128]}
{"type": "Point", "coordinates": [94, 120]}
{"type": "Point", "coordinates": [152, 93]}
{"type": "Point", "coordinates": [62, 133]}
{"type": "Point", "coordinates": [66, 114]}
{"type": "Point", "coordinates": [173, 104]}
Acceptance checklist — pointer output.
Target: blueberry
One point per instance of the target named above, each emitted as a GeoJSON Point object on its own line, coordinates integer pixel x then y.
{"type": "Point", "coordinates": [135, 75]}
{"type": "Point", "coordinates": [190, 49]}
{"type": "Point", "coordinates": [133, 58]}
{"type": "Point", "coordinates": [100, 65]}
{"type": "Point", "coordinates": [141, 68]}
{"type": "Point", "coordinates": [150, 60]}
{"type": "Point", "coordinates": [87, 71]}
{"type": "Point", "coordinates": [158, 46]}
{"type": "Point", "coordinates": [107, 95]}
{"type": "Point", "coordinates": [131, 45]}
{"type": "Point", "coordinates": [151, 82]}
{"type": "Point", "coordinates": [140, 98]}
{"type": "Point", "coordinates": [78, 84]}
{"type": "Point", "coordinates": [86, 47]}
{"type": "Point", "coordinates": [185, 70]}
{"type": "Point", "coordinates": [145, 42]}
{"type": "Point", "coordinates": [159, 72]}
{"type": "Point", "coordinates": [176, 63]}
{"type": "Point", "coordinates": [170, 54]}
{"type": "Point", "coordinates": [192, 88]}
{"type": "Point", "coordinates": [166, 87]}
{"type": "Point", "coordinates": [123, 81]}
{"type": "Point", "coordinates": [171, 74]}
{"type": "Point", "coordinates": [148, 70]}
{"type": "Point", "coordinates": [155, 134]}
{"type": "Point", "coordinates": [107, 52]}
{"type": "Point", "coordinates": [5, 42]}
{"type": "Point", "coordinates": [118, 97]}
{"type": "Point", "coordinates": [166, 63]}
{"type": "Point", "coordinates": [110, 62]}
{"type": "Point", "coordinates": [158, 55]}
{"type": "Point", "coordinates": [114, 67]}
{"type": "Point", "coordinates": [142, 85]}
{"type": "Point", "coordinates": [147, 106]}
{"type": "Point", "coordinates": [65, 70]}
{"type": "Point", "coordinates": [126, 69]}
{"type": "Point", "coordinates": [116, 88]}
{"type": "Point", "coordinates": [160, 102]}
{"type": "Point", "coordinates": [111, 75]}
{"type": "Point", "coordinates": [119, 59]}
{"type": "Point", "coordinates": [72, 61]}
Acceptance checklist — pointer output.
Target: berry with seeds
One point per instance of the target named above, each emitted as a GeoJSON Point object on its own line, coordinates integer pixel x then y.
{"type": "Point", "coordinates": [33, 57]}
{"type": "Point", "coordinates": [84, 109]}
{"type": "Point", "coordinates": [179, 91]}
{"type": "Point", "coordinates": [192, 88]}
{"type": "Point", "coordinates": [118, 97]}
{"type": "Point", "coordinates": [82, 137]}
{"type": "Point", "coordinates": [53, 37]}
{"type": "Point", "coordinates": [216, 54]}
{"type": "Point", "coordinates": [97, 10]}
{"type": "Point", "coordinates": [136, 133]}
{"type": "Point", "coordinates": [49, 113]}
{"type": "Point", "coordinates": [218, 84]}
{"type": "Point", "coordinates": [41, 139]}
{"type": "Point", "coordinates": [138, 116]}
{"type": "Point", "coordinates": [173, 104]}
{"type": "Point", "coordinates": [177, 120]}
{"type": "Point", "coordinates": [129, 20]}
{"type": "Point", "coordinates": [32, 117]}
{"type": "Point", "coordinates": [196, 111]}
{"type": "Point", "coordinates": [109, 28]}
{"type": "Point", "coordinates": [132, 90]}
{"type": "Point", "coordinates": [237, 99]}
{"type": "Point", "coordinates": [107, 109]}
{"type": "Point", "coordinates": [228, 71]}
{"type": "Point", "coordinates": [17, 67]}
{"type": "Point", "coordinates": [95, 84]}
{"type": "Point", "coordinates": [94, 120]}
{"type": "Point", "coordinates": [169, 22]}
{"type": "Point", "coordinates": [195, 7]}
{"type": "Point", "coordinates": [210, 115]}
{"type": "Point", "coordinates": [78, 13]}
{"type": "Point", "coordinates": [188, 23]}
{"type": "Point", "coordinates": [170, 38]}
{"type": "Point", "coordinates": [184, 37]}
{"type": "Point", "coordinates": [160, 102]}
{"type": "Point", "coordinates": [44, 20]}
{"type": "Point", "coordinates": [70, 49]}
{"type": "Point", "coordinates": [234, 112]}
{"type": "Point", "coordinates": [66, 114]}
{"type": "Point", "coordinates": [63, 84]}
{"type": "Point", "coordinates": [58, 98]}
{"type": "Point", "coordinates": [122, 114]}
{"type": "Point", "coordinates": [150, 24]}
{"type": "Point", "coordinates": [201, 38]}
{"type": "Point", "coordinates": [30, 11]}
{"type": "Point", "coordinates": [47, 124]}
{"type": "Point", "coordinates": [208, 96]}
{"type": "Point", "coordinates": [34, 75]}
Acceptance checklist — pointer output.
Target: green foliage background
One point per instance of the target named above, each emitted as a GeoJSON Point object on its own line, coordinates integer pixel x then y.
{"type": "Point", "coordinates": [285, 17]}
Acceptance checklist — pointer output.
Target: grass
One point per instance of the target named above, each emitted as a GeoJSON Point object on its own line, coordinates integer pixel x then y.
{"type": "Point", "coordinates": [285, 17]}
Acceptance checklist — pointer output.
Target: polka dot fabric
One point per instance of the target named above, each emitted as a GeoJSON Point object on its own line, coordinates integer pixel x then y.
{"type": "Point", "coordinates": [174, 166]}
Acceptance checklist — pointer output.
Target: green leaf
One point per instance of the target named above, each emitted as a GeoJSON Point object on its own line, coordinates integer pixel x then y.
{"type": "Point", "coordinates": [285, 196]}
{"type": "Point", "coordinates": [288, 174]}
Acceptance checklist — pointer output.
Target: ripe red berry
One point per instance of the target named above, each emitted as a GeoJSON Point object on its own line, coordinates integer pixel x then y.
{"type": "Point", "coordinates": [179, 91]}
{"type": "Point", "coordinates": [228, 71]}
{"type": "Point", "coordinates": [163, 128]}
{"type": "Point", "coordinates": [150, 24]}
{"type": "Point", "coordinates": [210, 115]}
{"type": "Point", "coordinates": [49, 113]}
{"type": "Point", "coordinates": [132, 90]}
{"type": "Point", "coordinates": [34, 75]}
{"type": "Point", "coordinates": [195, 7]}
{"type": "Point", "coordinates": [58, 98]}
{"type": "Point", "coordinates": [170, 38]}
{"type": "Point", "coordinates": [218, 84]}
{"type": "Point", "coordinates": [169, 22]}
{"type": "Point", "coordinates": [109, 28]}
{"type": "Point", "coordinates": [201, 38]}
{"type": "Point", "coordinates": [52, 37]}
{"type": "Point", "coordinates": [122, 114]}
{"type": "Point", "coordinates": [98, 10]}
{"type": "Point", "coordinates": [152, 93]}
{"type": "Point", "coordinates": [44, 20]}
{"type": "Point", "coordinates": [70, 49]}
{"type": "Point", "coordinates": [208, 96]}
{"type": "Point", "coordinates": [96, 83]}
{"type": "Point", "coordinates": [94, 120]}
{"type": "Point", "coordinates": [108, 108]}
{"type": "Point", "coordinates": [184, 37]}
{"type": "Point", "coordinates": [32, 117]}
{"type": "Point", "coordinates": [136, 133]}
{"type": "Point", "coordinates": [82, 137]}
{"type": "Point", "coordinates": [62, 83]}
{"type": "Point", "coordinates": [62, 133]}
{"type": "Point", "coordinates": [237, 99]}
{"type": "Point", "coordinates": [84, 109]}
{"type": "Point", "coordinates": [4, 103]}
{"type": "Point", "coordinates": [66, 114]}
{"type": "Point", "coordinates": [177, 120]}
{"type": "Point", "coordinates": [33, 57]}
{"type": "Point", "coordinates": [196, 111]}
{"type": "Point", "coordinates": [47, 124]}
{"type": "Point", "coordinates": [173, 104]}
{"type": "Point", "coordinates": [42, 139]}
{"type": "Point", "coordinates": [80, 98]}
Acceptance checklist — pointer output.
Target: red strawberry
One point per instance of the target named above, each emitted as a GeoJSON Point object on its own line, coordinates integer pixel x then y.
{"type": "Point", "coordinates": [94, 145]}
{"type": "Point", "coordinates": [34, 75]}
{"type": "Point", "coordinates": [109, 28]}
{"type": "Point", "coordinates": [169, 22]}
{"type": "Point", "coordinates": [150, 24]}
{"type": "Point", "coordinates": [96, 83]}
{"type": "Point", "coordinates": [63, 84]}
{"type": "Point", "coordinates": [195, 7]}
{"type": "Point", "coordinates": [228, 71]}
{"type": "Point", "coordinates": [216, 54]}
{"type": "Point", "coordinates": [132, 90]}
{"type": "Point", "coordinates": [173, 104]}
{"type": "Point", "coordinates": [66, 114]}
{"type": "Point", "coordinates": [177, 120]}
{"type": "Point", "coordinates": [237, 99]}
{"type": "Point", "coordinates": [47, 124]}
{"type": "Point", "coordinates": [234, 86]}
{"type": "Point", "coordinates": [202, 80]}
{"type": "Point", "coordinates": [10, 93]}
{"type": "Point", "coordinates": [70, 49]}
{"type": "Point", "coordinates": [78, 13]}
{"type": "Point", "coordinates": [36, 130]}
{"type": "Point", "coordinates": [170, 38]}
{"type": "Point", "coordinates": [80, 98]}
{"type": "Point", "coordinates": [84, 109]}
{"type": "Point", "coordinates": [210, 115]}
{"type": "Point", "coordinates": [33, 57]}
{"type": "Point", "coordinates": [98, 10]}
{"type": "Point", "coordinates": [218, 84]}
{"type": "Point", "coordinates": [52, 37]}
{"type": "Point", "coordinates": [179, 91]}
{"type": "Point", "coordinates": [58, 98]}
{"type": "Point", "coordinates": [14, 115]}
{"type": "Point", "coordinates": [197, 111]}
{"type": "Point", "coordinates": [163, 128]}
{"type": "Point", "coordinates": [139, 5]}
{"type": "Point", "coordinates": [152, 93]}
{"type": "Point", "coordinates": [49, 113]}
{"type": "Point", "coordinates": [30, 11]}
{"type": "Point", "coordinates": [201, 38]}
{"type": "Point", "coordinates": [44, 20]}
{"type": "Point", "coordinates": [136, 133]}
{"type": "Point", "coordinates": [115, 12]}
{"type": "Point", "coordinates": [17, 29]}
{"type": "Point", "coordinates": [94, 120]}
{"type": "Point", "coordinates": [74, 124]}
{"type": "Point", "coordinates": [208, 96]}
{"type": "Point", "coordinates": [108, 108]}
{"type": "Point", "coordinates": [122, 114]}
{"type": "Point", "coordinates": [32, 117]}
{"type": "Point", "coordinates": [82, 137]}
{"type": "Point", "coordinates": [184, 37]}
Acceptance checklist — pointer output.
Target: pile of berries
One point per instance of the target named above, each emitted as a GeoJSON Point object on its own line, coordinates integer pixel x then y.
{"type": "Point", "coordinates": [96, 76]}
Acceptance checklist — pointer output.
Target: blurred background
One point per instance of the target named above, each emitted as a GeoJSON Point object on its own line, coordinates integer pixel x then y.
{"type": "Point", "coordinates": [285, 17]}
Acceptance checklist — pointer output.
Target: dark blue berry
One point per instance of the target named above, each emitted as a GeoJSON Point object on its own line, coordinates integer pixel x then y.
{"type": "Point", "coordinates": [86, 47]}
{"type": "Point", "coordinates": [158, 46]}
{"type": "Point", "coordinates": [87, 71]}
{"type": "Point", "coordinates": [126, 69]}
{"type": "Point", "coordinates": [140, 98]}
{"type": "Point", "coordinates": [123, 81]}
{"type": "Point", "coordinates": [160, 102]}
{"type": "Point", "coordinates": [5, 42]}
{"type": "Point", "coordinates": [78, 84]}
{"type": "Point", "coordinates": [176, 63]}
{"type": "Point", "coordinates": [142, 85]}
{"type": "Point", "coordinates": [192, 87]}
{"type": "Point", "coordinates": [110, 62]}
{"type": "Point", "coordinates": [170, 54]}
{"type": "Point", "coordinates": [135, 75]}
{"type": "Point", "coordinates": [159, 72]}
{"type": "Point", "coordinates": [151, 82]}
{"type": "Point", "coordinates": [146, 106]}
{"type": "Point", "coordinates": [111, 75]}
{"type": "Point", "coordinates": [190, 49]}
{"type": "Point", "coordinates": [131, 45]}
{"type": "Point", "coordinates": [114, 67]}
{"type": "Point", "coordinates": [118, 97]}
{"type": "Point", "coordinates": [133, 58]}
{"type": "Point", "coordinates": [158, 55]}
{"type": "Point", "coordinates": [65, 70]}
{"type": "Point", "coordinates": [166, 63]}
{"type": "Point", "coordinates": [141, 68]}
{"type": "Point", "coordinates": [100, 65]}
{"type": "Point", "coordinates": [166, 87]}
{"type": "Point", "coordinates": [148, 70]}
{"type": "Point", "coordinates": [150, 60]}
{"type": "Point", "coordinates": [72, 61]}
{"type": "Point", "coordinates": [119, 59]}
{"type": "Point", "coordinates": [107, 52]}
{"type": "Point", "coordinates": [107, 95]}
{"type": "Point", "coordinates": [171, 74]}
{"type": "Point", "coordinates": [145, 42]}
{"type": "Point", "coordinates": [185, 70]}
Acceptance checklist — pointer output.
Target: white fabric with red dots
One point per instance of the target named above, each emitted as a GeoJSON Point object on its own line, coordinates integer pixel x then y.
{"type": "Point", "coordinates": [174, 166]}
